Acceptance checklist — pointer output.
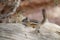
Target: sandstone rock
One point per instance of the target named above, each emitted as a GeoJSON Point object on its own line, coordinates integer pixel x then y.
{"type": "Point", "coordinates": [16, 31]}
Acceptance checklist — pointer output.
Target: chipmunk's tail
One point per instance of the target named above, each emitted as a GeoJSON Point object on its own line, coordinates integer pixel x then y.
{"type": "Point", "coordinates": [44, 16]}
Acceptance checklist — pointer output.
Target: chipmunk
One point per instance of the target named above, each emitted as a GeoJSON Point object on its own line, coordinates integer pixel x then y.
{"type": "Point", "coordinates": [34, 23]}
{"type": "Point", "coordinates": [28, 22]}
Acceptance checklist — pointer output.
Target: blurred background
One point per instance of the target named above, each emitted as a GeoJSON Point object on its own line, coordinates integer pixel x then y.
{"type": "Point", "coordinates": [31, 9]}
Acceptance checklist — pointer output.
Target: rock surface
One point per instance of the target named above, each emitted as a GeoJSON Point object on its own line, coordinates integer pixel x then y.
{"type": "Point", "coordinates": [16, 31]}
